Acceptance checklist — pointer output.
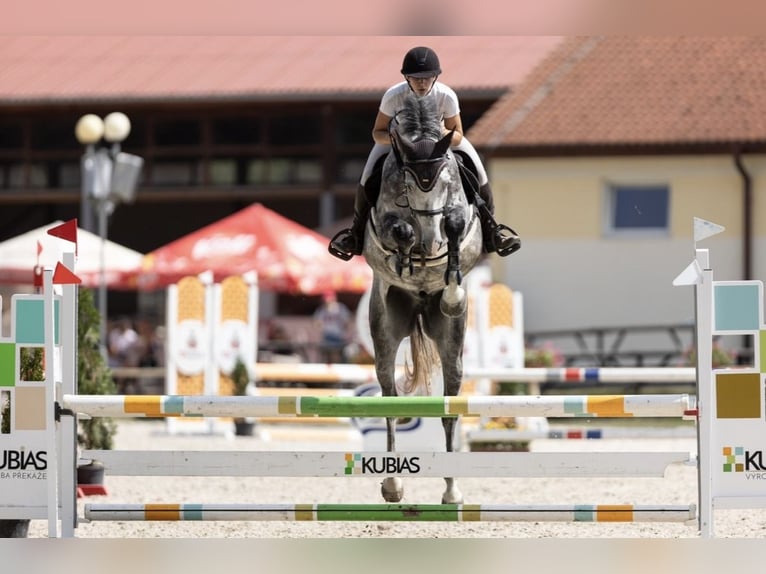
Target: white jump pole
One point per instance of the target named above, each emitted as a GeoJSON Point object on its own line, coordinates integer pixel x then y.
{"type": "Point", "coordinates": [616, 406]}
{"type": "Point", "coordinates": [391, 512]}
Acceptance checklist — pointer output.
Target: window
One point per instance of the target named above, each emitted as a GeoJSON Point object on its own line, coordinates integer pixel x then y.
{"type": "Point", "coordinates": [638, 208]}
{"type": "Point", "coordinates": [237, 131]}
{"type": "Point", "coordinates": [350, 169]}
{"type": "Point", "coordinates": [11, 135]}
{"type": "Point", "coordinates": [177, 133]}
{"type": "Point", "coordinates": [295, 130]}
{"type": "Point", "coordinates": [54, 134]}
{"type": "Point", "coordinates": [175, 172]}
{"type": "Point", "coordinates": [355, 128]}
{"type": "Point", "coordinates": [223, 172]}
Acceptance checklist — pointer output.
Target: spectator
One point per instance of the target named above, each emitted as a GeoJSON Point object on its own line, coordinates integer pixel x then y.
{"type": "Point", "coordinates": [125, 350]}
{"type": "Point", "coordinates": [333, 320]}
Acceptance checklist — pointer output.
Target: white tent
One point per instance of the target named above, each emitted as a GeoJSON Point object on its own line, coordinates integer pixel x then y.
{"type": "Point", "coordinates": [18, 257]}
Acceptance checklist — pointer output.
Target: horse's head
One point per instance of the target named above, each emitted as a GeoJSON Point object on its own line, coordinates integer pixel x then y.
{"type": "Point", "coordinates": [422, 160]}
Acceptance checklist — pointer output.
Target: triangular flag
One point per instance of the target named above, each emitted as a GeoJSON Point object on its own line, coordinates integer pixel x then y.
{"type": "Point", "coordinates": [704, 229]}
{"type": "Point", "coordinates": [692, 275]}
{"type": "Point", "coordinates": [39, 248]}
{"type": "Point", "coordinates": [63, 276]}
{"type": "Point", "coordinates": [67, 230]}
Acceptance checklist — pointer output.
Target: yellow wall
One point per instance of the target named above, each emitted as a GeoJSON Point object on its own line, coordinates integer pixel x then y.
{"type": "Point", "coordinates": [566, 197]}
{"type": "Point", "coordinates": [574, 275]}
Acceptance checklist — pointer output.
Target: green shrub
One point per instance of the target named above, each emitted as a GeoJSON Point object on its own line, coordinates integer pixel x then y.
{"type": "Point", "coordinates": [93, 374]}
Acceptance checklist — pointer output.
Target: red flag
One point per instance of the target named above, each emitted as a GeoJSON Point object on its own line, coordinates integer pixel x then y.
{"type": "Point", "coordinates": [67, 230]}
{"type": "Point", "coordinates": [63, 276]}
{"type": "Point", "coordinates": [39, 248]}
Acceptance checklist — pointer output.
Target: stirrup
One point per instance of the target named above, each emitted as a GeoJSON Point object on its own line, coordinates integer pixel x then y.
{"type": "Point", "coordinates": [515, 240]}
{"type": "Point", "coordinates": [336, 251]}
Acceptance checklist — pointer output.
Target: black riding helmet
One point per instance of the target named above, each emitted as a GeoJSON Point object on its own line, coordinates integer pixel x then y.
{"type": "Point", "coordinates": [421, 62]}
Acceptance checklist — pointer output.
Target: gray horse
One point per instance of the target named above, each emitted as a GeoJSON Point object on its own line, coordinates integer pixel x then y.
{"type": "Point", "coordinates": [422, 237]}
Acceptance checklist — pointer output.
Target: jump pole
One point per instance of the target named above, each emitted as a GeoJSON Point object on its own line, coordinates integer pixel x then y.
{"type": "Point", "coordinates": [372, 464]}
{"type": "Point", "coordinates": [160, 406]}
{"type": "Point", "coordinates": [391, 512]}
{"type": "Point", "coordinates": [359, 374]}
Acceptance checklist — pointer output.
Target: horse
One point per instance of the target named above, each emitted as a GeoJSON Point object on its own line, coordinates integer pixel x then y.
{"type": "Point", "coordinates": [422, 237]}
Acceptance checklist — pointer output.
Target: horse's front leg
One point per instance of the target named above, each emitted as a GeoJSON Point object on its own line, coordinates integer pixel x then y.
{"type": "Point", "coordinates": [404, 235]}
{"type": "Point", "coordinates": [451, 357]}
{"type": "Point", "coordinates": [453, 300]}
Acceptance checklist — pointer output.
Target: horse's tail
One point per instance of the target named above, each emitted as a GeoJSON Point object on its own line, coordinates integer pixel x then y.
{"type": "Point", "coordinates": [425, 359]}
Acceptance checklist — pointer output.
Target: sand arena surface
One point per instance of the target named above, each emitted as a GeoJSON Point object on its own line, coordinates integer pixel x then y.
{"type": "Point", "coordinates": [678, 487]}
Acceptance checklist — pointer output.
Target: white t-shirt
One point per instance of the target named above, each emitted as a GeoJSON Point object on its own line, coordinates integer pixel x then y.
{"type": "Point", "coordinates": [446, 99]}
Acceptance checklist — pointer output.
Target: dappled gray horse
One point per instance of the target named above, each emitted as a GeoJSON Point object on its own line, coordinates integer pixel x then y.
{"type": "Point", "coordinates": [422, 237]}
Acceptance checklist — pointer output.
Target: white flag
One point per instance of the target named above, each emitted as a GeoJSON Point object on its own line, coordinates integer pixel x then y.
{"type": "Point", "coordinates": [692, 275]}
{"type": "Point", "coordinates": [704, 229]}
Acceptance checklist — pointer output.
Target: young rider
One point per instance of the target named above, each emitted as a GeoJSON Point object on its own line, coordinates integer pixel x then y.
{"type": "Point", "coordinates": [420, 69]}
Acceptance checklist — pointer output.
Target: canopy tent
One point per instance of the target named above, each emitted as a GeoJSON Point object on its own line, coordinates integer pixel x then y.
{"type": "Point", "coordinates": [287, 257]}
{"type": "Point", "coordinates": [20, 255]}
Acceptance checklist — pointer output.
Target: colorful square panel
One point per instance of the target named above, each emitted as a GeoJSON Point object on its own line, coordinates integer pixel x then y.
{"type": "Point", "coordinates": [30, 327]}
{"type": "Point", "coordinates": [7, 364]}
{"type": "Point", "coordinates": [738, 395]}
{"type": "Point", "coordinates": [30, 408]}
{"type": "Point", "coordinates": [762, 350]}
{"type": "Point", "coordinates": [737, 307]}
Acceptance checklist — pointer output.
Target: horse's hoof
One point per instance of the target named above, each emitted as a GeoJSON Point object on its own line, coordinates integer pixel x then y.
{"type": "Point", "coordinates": [452, 497]}
{"type": "Point", "coordinates": [392, 489]}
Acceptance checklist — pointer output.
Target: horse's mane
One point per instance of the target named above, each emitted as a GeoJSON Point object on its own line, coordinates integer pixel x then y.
{"type": "Point", "coordinates": [419, 119]}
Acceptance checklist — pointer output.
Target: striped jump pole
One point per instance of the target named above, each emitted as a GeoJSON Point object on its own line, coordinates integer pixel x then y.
{"type": "Point", "coordinates": [391, 512]}
{"type": "Point", "coordinates": [136, 406]}
{"type": "Point", "coordinates": [339, 373]}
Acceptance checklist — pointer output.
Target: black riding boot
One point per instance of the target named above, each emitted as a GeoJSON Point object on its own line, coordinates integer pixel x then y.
{"type": "Point", "coordinates": [497, 237]}
{"type": "Point", "coordinates": [349, 242]}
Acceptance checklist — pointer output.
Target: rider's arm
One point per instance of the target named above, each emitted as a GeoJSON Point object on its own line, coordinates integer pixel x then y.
{"type": "Point", "coordinates": [454, 123]}
{"type": "Point", "coordinates": [380, 130]}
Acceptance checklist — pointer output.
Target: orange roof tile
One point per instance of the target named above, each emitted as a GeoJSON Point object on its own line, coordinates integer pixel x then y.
{"type": "Point", "coordinates": [41, 69]}
{"type": "Point", "coordinates": [616, 91]}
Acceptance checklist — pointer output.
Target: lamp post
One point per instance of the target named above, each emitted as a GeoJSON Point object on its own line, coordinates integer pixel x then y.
{"type": "Point", "coordinates": [109, 177]}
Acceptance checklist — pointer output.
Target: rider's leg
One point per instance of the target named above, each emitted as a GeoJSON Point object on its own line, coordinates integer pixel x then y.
{"type": "Point", "coordinates": [497, 237]}
{"type": "Point", "coordinates": [350, 241]}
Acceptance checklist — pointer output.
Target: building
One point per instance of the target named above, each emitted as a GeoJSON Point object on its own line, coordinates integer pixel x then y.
{"type": "Point", "coordinates": [605, 154]}
{"type": "Point", "coordinates": [221, 122]}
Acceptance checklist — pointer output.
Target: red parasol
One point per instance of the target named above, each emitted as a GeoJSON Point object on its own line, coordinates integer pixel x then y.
{"type": "Point", "coordinates": [287, 257]}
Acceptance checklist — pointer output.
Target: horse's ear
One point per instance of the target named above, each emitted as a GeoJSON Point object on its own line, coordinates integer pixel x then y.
{"type": "Point", "coordinates": [403, 144]}
{"type": "Point", "coordinates": [441, 147]}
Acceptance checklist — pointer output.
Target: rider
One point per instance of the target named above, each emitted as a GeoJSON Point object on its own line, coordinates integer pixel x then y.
{"type": "Point", "coordinates": [420, 69]}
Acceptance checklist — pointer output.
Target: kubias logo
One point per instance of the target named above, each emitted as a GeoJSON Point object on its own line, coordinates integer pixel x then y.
{"type": "Point", "coordinates": [24, 460]}
{"type": "Point", "coordinates": [381, 464]}
{"type": "Point", "coordinates": [737, 459]}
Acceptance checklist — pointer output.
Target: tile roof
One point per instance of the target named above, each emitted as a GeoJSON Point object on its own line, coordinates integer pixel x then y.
{"type": "Point", "coordinates": [637, 91]}
{"type": "Point", "coordinates": [72, 68]}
